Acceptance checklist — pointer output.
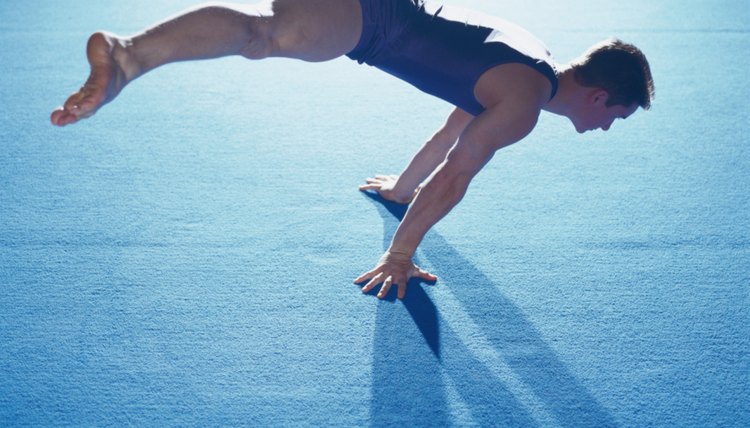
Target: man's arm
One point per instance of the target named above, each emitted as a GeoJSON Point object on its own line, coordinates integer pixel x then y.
{"type": "Point", "coordinates": [402, 189]}
{"type": "Point", "coordinates": [497, 127]}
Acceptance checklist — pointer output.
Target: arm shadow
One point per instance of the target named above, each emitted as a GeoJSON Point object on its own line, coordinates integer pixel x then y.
{"type": "Point", "coordinates": [512, 336]}
{"type": "Point", "coordinates": [417, 302]}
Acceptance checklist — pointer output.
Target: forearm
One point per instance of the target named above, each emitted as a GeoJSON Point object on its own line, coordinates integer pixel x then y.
{"type": "Point", "coordinates": [438, 197]}
{"type": "Point", "coordinates": [444, 189]}
{"type": "Point", "coordinates": [207, 31]}
{"type": "Point", "coordinates": [427, 159]}
{"type": "Point", "coordinates": [433, 153]}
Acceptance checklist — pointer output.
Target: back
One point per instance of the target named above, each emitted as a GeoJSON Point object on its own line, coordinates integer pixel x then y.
{"type": "Point", "coordinates": [444, 51]}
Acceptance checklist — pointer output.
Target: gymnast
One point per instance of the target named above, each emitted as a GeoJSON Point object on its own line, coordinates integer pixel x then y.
{"type": "Point", "coordinates": [498, 76]}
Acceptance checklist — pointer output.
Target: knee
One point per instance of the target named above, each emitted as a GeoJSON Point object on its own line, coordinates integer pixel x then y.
{"type": "Point", "coordinates": [259, 42]}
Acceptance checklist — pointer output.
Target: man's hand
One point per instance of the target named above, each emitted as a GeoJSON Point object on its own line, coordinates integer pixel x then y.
{"type": "Point", "coordinates": [385, 185]}
{"type": "Point", "coordinates": [393, 268]}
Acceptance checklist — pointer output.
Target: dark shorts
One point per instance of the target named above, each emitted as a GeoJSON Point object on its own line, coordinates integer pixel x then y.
{"type": "Point", "coordinates": [441, 57]}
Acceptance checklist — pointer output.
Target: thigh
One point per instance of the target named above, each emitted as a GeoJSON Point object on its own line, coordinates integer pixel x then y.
{"type": "Point", "coordinates": [315, 30]}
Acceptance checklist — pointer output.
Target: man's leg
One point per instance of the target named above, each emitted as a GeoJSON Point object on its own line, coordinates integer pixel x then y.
{"type": "Point", "coordinates": [310, 30]}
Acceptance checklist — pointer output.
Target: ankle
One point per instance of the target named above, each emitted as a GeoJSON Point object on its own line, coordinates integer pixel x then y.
{"type": "Point", "coordinates": [123, 53]}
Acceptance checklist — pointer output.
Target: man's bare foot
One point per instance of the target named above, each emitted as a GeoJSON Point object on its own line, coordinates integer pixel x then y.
{"type": "Point", "coordinates": [107, 58]}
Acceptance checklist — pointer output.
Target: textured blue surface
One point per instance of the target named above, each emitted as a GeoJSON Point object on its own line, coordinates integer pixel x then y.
{"type": "Point", "coordinates": [186, 256]}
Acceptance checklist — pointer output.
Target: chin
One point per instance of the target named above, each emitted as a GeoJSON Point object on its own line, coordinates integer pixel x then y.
{"type": "Point", "coordinates": [578, 128]}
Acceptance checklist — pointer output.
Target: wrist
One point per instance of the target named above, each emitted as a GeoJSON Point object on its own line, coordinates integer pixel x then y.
{"type": "Point", "coordinates": [404, 193]}
{"type": "Point", "coordinates": [399, 253]}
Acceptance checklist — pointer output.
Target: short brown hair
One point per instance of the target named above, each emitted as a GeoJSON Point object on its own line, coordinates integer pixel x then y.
{"type": "Point", "coordinates": [619, 68]}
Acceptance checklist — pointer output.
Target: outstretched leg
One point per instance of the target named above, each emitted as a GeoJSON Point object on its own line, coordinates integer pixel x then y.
{"type": "Point", "coordinates": [310, 30]}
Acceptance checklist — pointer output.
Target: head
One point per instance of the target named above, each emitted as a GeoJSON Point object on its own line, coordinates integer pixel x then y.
{"type": "Point", "coordinates": [614, 79]}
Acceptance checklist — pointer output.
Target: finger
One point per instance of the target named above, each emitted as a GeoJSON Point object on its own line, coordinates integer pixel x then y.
{"type": "Point", "coordinates": [373, 282]}
{"type": "Point", "coordinates": [372, 184]}
{"type": "Point", "coordinates": [367, 275]}
{"type": "Point", "coordinates": [386, 287]}
{"type": "Point", "coordinates": [423, 274]}
{"type": "Point", "coordinates": [402, 290]}
{"type": "Point", "coordinates": [369, 187]}
{"type": "Point", "coordinates": [386, 177]}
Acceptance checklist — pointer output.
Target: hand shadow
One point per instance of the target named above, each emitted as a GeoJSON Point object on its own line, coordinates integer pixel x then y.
{"type": "Point", "coordinates": [417, 302]}
{"type": "Point", "coordinates": [408, 386]}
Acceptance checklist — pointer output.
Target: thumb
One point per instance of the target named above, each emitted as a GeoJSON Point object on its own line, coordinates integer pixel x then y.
{"type": "Point", "coordinates": [421, 273]}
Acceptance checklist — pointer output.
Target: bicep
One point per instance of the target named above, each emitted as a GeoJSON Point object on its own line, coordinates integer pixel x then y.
{"type": "Point", "coordinates": [492, 130]}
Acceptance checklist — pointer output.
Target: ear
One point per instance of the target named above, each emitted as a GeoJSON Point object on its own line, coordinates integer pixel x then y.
{"type": "Point", "coordinates": [598, 97]}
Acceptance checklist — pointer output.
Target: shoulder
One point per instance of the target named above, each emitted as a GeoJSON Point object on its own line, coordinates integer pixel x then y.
{"type": "Point", "coordinates": [513, 96]}
{"type": "Point", "coordinates": [520, 84]}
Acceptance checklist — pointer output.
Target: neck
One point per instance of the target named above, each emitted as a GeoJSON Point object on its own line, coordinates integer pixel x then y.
{"type": "Point", "coordinates": [562, 102]}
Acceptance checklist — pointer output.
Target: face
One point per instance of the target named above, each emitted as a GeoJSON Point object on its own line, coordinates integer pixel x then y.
{"type": "Point", "coordinates": [595, 114]}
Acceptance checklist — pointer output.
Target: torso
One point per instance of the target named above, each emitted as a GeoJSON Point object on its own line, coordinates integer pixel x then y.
{"type": "Point", "coordinates": [465, 58]}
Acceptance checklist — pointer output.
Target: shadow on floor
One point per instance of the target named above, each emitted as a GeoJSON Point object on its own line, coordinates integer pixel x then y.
{"type": "Point", "coordinates": [410, 382]}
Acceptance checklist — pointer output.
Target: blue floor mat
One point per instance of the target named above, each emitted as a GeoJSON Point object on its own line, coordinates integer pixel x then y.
{"type": "Point", "coordinates": [186, 257]}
